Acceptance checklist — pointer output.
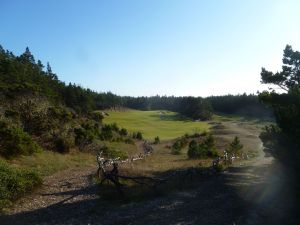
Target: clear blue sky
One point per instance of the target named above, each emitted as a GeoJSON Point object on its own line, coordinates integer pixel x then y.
{"type": "Point", "coordinates": [149, 47]}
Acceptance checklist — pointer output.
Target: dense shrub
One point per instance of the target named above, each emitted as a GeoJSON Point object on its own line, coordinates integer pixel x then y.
{"type": "Point", "coordinates": [63, 143]}
{"type": "Point", "coordinates": [14, 142]}
{"type": "Point", "coordinates": [85, 134]}
{"type": "Point", "coordinates": [97, 116]}
{"type": "Point", "coordinates": [15, 183]}
{"type": "Point", "coordinates": [106, 132]}
{"type": "Point", "coordinates": [59, 113]}
{"type": "Point", "coordinates": [204, 149]}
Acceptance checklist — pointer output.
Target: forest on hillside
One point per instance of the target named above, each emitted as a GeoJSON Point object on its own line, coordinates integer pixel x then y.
{"type": "Point", "coordinates": [24, 75]}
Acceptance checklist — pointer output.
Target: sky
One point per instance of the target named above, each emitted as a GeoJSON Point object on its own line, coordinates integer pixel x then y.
{"type": "Point", "coordinates": [150, 47]}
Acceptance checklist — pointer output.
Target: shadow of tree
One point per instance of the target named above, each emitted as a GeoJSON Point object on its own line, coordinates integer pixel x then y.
{"type": "Point", "coordinates": [240, 195]}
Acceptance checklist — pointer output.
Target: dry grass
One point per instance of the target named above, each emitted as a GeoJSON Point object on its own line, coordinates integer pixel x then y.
{"type": "Point", "coordinates": [47, 163]}
{"type": "Point", "coordinates": [128, 149]}
{"type": "Point", "coordinates": [162, 161]}
{"type": "Point", "coordinates": [159, 164]}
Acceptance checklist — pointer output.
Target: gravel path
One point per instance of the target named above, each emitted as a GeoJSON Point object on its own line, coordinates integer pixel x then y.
{"type": "Point", "coordinates": [248, 193]}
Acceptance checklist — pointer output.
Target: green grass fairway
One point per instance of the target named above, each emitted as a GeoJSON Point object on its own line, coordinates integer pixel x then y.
{"type": "Point", "coordinates": [166, 125]}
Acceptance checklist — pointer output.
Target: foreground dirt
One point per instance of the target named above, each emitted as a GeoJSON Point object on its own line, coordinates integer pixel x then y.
{"type": "Point", "coordinates": [251, 192]}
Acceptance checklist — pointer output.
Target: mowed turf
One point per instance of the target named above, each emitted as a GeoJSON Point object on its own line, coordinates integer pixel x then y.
{"type": "Point", "coordinates": [165, 124]}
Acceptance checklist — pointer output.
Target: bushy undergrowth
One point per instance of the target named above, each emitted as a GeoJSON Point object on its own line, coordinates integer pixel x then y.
{"type": "Point", "coordinates": [15, 183]}
{"type": "Point", "coordinates": [14, 142]}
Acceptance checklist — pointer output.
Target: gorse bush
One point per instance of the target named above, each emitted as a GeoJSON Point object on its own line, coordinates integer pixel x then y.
{"type": "Point", "coordinates": [14, 142]}
{"type": "Point", "coordinates": [15, 183]}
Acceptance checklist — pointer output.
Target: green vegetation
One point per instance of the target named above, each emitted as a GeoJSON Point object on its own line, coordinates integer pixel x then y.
{"type": "Point", "coordinates": [15, 183]}
{"type": "Point", "coordinates": [166, 125]}
{"type": "Point", "coordinates": [47, 163]}
{"type": "Point", "coordinates": [156, 140]}
{"type": "Point", "coordinates": [242, 105]}
{"type": "Point", "coordinates": [15, 142]}
{"type": "Point", "coordinates": [137, 135]}
{"type": "Point", "coordinates": [283, 140]}
{"type": "Point", "coordinates": [235, 146]}
{"type": "Point", "coordinates": [38, 112]}
{"type": "Point", "coordinates": [179, 145]}
{"type": "Point", "coordinates": [196, 108]}
{"type": "Point", "coordinates": [205, 149]}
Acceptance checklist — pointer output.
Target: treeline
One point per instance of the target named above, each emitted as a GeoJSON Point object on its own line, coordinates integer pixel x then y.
{"type": "Point", "coordinates": [245, 105]}
{"type": "Point", "coordinates": [192, 107]}
{"type": "Point", "coordinates": [23, 75]}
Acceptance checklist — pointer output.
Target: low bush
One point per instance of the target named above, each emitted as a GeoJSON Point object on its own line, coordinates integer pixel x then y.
{"type": "Point", "coordinates": [179, 145]}
{"type": "Point", "coordinates": [63, 143]}
{"type": "Point", "coordinates": [14, 142]}
{"type": "Point", "coordinates": [87, 132]}
{"type": "Point", "coordinates": [137, 135]}
{"type": "Point", "coordinates": [204, 149]}
{"type": "Point", "coordinates": [235, 146]}
{"type": "Point", "coordinates": [15, 183]}
{"type": "Point", "coordinates": [107, 132]}
{"type": "Point", "coordinates": [176, 148]}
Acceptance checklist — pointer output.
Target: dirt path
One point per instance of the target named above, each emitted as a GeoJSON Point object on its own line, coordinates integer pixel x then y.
{"type": "Point", "coordinates": [247, 193]}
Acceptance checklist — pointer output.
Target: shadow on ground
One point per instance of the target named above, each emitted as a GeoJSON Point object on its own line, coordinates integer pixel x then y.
{"type": "Point", "coordinates": [240, 195]}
